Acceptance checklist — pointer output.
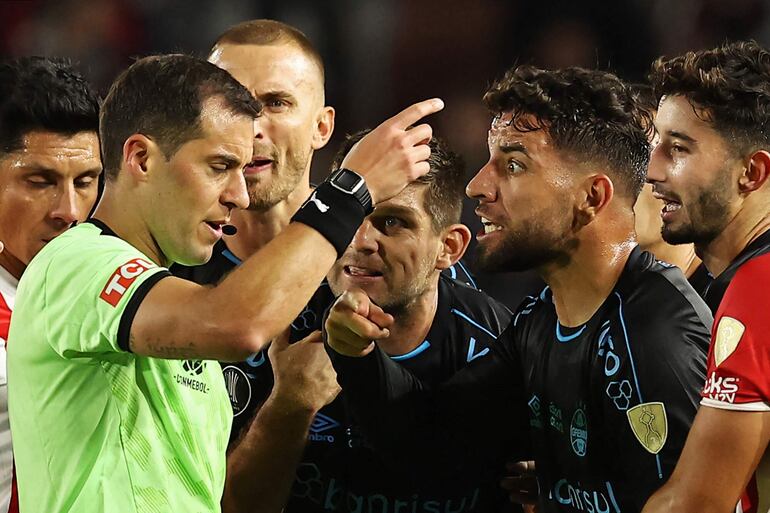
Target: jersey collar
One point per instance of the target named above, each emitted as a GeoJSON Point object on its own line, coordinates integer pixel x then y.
{"type": "Point", "coordinates": [717, 288]}
{"type": "Point", "coordinates": [106, 230]}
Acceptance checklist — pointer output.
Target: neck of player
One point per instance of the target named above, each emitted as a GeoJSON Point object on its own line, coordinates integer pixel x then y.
{"type": "Point", "coordinates": [412, 324]}
{"type": "Point", "coordinates": [10, 263]}
{"type": "Point", "coordinates": [748, 224]}
{"type": "Point", "coordinates": [118, 210]}
{"type": "Point", "coordinates": [583, 280]}
{"type": "Point", "coordinates": [258, 227]}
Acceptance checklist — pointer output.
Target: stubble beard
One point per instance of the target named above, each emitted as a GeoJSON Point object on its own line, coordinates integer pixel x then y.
{"type": "Point", "coordinates": [283, 180]}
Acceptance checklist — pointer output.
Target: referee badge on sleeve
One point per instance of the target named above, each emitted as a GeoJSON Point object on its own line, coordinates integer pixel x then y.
{"type": "Point", "coordinates": [649, 424]}
{"type": "Point", "coordinates": [729, 333]}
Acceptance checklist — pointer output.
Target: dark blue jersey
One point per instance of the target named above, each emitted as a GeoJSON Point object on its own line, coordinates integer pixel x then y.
{"type": "Point", "coordinates": [340, 469]}
{"type": "Point", "coordinates": [247, 386]}
{"type": "Point", "coordinates": [606, 405]}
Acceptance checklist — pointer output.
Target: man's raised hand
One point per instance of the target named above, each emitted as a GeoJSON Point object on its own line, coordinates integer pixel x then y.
{"type": "Point", "coordinates": [354, 323]}
{"type": "Point", "coordinates": [393, 154]}
{"type": "Point", "coordinates": [304, 376]}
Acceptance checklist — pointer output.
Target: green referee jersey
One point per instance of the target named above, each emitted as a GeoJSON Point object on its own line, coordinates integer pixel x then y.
{"type": "Point", "coordinates": [95, 427]}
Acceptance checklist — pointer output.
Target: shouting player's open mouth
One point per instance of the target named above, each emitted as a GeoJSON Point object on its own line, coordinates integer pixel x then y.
{"type": "Point", "coordinates": [487, 228]}
{"type": "Point", "coordinates": [258, 165]}
{"type": "Point", "coordinates": [215, 227]}
{"type": "Point", "coordinates": [361, 274]}
{"type": "Point", "coordinates": [670, 206]}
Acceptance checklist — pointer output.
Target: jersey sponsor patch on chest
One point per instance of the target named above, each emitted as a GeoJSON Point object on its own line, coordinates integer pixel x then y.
{"type": "Point", "coordinates": [729, 333]}
{"type": "Point", "coordinates": [122, 279]}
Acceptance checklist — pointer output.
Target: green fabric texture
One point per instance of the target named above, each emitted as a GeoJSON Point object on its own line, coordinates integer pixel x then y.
{"type": "Point", "coordinates": [96, 428]}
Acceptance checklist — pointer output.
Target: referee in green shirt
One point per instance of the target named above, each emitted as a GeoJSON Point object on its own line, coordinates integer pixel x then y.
{"type": "Point", "coordinates": [113, 404]}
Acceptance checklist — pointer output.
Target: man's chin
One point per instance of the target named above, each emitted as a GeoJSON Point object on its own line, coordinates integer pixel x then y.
{"type": "Point", "coordinates": [194, 256]}
{"type": "Point", "coordinates": [505, 259]}
{"type": "Point", "coordinates": [265, 198]}
{"type": "Point", "coordinates": [493, 260]}
{"type": "Point", "coordinates": [679, 235]}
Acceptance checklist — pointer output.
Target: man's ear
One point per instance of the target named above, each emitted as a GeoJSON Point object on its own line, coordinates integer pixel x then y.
{"type": "Point", "coordinates": [455, 242]}
{"type": "Point", "coordinates": [755, 173]}
{"type": "Point", "coordinates": [596, 194]}
{"type": "Point", "coordinates": [138, 151]}
{"type": "Point", "coordinates": [324, 127]}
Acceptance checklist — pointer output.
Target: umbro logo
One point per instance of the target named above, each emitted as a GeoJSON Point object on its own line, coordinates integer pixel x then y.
{"type": "Point", "coordinates": [323, 207]}
{"type": "Point", "coordinates": [323, 423]}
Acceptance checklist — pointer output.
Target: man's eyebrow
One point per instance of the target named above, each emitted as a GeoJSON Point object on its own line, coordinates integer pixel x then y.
{"type": "Point", "coordinates": [93, 171]}
{"type": "Point", "coordinates": [228, 159]}
{"type": "Point", "coordinates": [681, 135]}
{"type": "Point", "coordinates": [43, 170]}
{"type": "Point", "coordinates": [513, 146]}
{"type": "Point", "coordinates": [396, 210]}
{"type": "Point", "coordinates": [274, 93]}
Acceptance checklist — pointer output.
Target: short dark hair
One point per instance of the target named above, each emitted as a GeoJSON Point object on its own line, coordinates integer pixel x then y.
{"type": "Point", "coordinates": [728, 86]}
{"type": "Point", "coordinates": [162, 96]}
{"type": "Point", "coordinates": [445, 180]}
{"type": "Point", "coordinates": [270, 32]}
{"type": "Point", "coordinates": [592, 114]}
{"type": "Point", "coordinates": [41, 93]}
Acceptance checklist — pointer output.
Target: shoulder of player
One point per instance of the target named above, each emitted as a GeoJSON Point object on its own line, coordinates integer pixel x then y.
{"type": "Point", "coordinates": [751, 281]}
{"type": "Point", "coordinates": [662, 319]}
{"type": "Point", "coordinates": [660, 291]}
{"type": "Point", "coordinates": [532, 307]}
{"type": "Point", "coordinates": [80, 256]}
{"type": "Point", "coordinates": [472, 306]}
{"type": "Point", "coordinates": [72, 248]}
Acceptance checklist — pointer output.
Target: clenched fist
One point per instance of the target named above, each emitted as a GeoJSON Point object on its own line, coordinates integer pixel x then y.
{"type": "Point", "coordinates": [354, 323]}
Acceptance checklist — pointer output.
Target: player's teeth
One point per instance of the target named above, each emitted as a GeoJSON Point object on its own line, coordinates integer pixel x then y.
{"type": "Point", "coordinates": [489, 226]}
{"type": "Point", "coordinates": [358, 271]}
{"type": "Point", "coordinates": [670, 207]}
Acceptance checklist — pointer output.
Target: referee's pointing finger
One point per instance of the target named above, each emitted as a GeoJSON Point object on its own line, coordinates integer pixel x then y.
{"type": "Point", "coordinates": [412, 114]}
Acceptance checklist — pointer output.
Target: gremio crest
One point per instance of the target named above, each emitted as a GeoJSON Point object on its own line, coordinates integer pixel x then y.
{"type": "Point", "coordinates": [649, 424]}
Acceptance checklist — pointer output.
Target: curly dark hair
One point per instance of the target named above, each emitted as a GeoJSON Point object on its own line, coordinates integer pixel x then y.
{"type": "Point", "coordinates": [42, 93]}
{"type": "Point", "coordinates": [445, 180]}
{"type": "Point", "coordinates": [591, 114]}
{"type": "Point", "coordinates": [728, 86]}
{"type": "Point", "coordinates": [162, 96]}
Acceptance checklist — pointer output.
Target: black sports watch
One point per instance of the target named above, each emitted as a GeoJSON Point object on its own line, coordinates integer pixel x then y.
{"type": "Point", "coordinates": [354, 184]}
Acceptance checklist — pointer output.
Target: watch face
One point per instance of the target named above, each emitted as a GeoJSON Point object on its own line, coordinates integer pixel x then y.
{"type": "Point", "coordinates": [347, 179]}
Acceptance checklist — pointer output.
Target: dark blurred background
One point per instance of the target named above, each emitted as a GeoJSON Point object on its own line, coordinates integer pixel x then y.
{"type": "Point", "coordinates": [382, 55]}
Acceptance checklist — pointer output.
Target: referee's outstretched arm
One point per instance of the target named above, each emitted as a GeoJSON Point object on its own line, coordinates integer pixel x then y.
{"type": "Point", "coordinates": [179, 319]}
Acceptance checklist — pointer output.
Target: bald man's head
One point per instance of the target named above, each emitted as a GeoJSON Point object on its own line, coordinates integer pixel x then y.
{"type": "Point", "coordinates": [269, 33]}
{"type": "Point", "coordinates": [280, 67]}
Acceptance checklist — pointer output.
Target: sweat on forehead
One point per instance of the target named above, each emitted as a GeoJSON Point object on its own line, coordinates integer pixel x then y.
{"type": "Point", "coordinates": [504, 134]}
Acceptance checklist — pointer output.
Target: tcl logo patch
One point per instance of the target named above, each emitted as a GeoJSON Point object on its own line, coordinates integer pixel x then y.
{"type": "Point", "coordinates": [122, 278]}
